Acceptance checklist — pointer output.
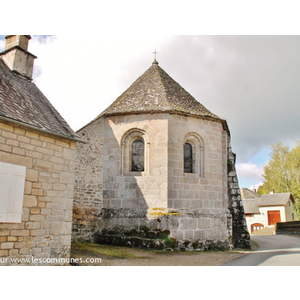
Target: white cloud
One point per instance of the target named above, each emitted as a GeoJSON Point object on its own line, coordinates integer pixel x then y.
{"type": "Point", "coordinates": [251, 174]}
{"type": "Point", "coordinates": [255, 186]}
{"type": "Point", "coordinates": [83, 75]}
{"type": "Point", "coordinates": [249, 80]}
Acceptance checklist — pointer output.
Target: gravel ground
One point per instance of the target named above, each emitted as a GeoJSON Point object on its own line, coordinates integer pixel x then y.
{"type": "Point", "coordinates": [87, 254]}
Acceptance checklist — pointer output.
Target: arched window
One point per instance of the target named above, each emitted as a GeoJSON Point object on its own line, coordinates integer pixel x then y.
{"type": "Point", "coordinates": [137, 156]}
{"type": "Point", "coordinates": [193, 154]}
{"type": "Point", "coordinates": [256, 226]}
{"type": "Point", "coordinates": [188, 158]}
{"type": "Point", "coordinates": [135, 153]}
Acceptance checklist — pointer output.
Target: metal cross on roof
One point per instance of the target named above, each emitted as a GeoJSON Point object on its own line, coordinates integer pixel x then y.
{"type": "Point", "coordinates": [155, 52]}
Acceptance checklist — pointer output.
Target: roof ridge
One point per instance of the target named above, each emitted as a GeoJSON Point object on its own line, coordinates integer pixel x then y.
{"type": "Point", "coordinates": [160, 70]}
{"type": "Point", "coordinates": [186, 97]}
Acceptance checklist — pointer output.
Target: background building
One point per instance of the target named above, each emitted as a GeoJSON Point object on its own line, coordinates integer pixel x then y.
{"type": "Point", "coordinates": [265, 210]}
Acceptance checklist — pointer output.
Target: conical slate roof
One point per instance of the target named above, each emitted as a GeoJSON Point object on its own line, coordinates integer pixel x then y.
{"type": "Point", "coordinates": [155, 91]}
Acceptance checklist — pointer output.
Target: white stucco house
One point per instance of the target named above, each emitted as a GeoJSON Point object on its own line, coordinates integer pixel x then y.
{"type": "Point", "coordinates": [266, 210]}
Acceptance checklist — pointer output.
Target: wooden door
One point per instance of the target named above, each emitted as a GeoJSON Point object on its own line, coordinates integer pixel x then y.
{"type": "Point", "coordinates": [273, 217]}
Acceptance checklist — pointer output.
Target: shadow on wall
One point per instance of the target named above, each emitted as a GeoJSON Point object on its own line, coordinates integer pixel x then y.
{"type": "Point", "coordinates": [125, 209]}
{"type": "Point", "coordinates": [88, 182]}
{"type": "Point", "coordinates": [119, 201]}
{"type": "Point", "coordinates": [128, 217]}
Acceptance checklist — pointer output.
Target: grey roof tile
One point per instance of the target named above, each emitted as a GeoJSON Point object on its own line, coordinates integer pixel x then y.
{"type": "Point", "coordinates": [275, 199]}
{"type": "Point", "coordinates": [248, 194]}
{"type": "Point", "coordinates": [21, 101]}
{"type": "Point", "coordinates": [156, 91]}
{"type": "Point", "coordinates": [251, 206]}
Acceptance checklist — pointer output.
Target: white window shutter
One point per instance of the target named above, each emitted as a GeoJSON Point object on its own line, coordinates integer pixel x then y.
{"type": "Point", "coordinates": [12, 183]}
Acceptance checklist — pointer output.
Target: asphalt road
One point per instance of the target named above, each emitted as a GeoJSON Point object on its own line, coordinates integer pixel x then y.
{"type": "Point", "coordinates": [271, 250]}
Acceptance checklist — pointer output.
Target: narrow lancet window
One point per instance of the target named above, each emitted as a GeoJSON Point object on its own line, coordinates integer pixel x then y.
{"type": "Point", "coordinates": [137, 162]}
{"type": "Point", "coordinates": [188, 158]}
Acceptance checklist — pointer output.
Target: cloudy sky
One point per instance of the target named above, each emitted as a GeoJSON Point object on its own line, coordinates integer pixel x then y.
{"type": "Point", "coordinates": [251, 81]}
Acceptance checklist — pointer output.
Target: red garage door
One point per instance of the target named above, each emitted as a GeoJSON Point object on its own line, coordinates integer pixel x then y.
{"type": "Point", "coordinates": [273, 217]}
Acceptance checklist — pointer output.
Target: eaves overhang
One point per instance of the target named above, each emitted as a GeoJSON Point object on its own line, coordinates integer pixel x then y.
{"type": "Point", "coordinates": [75, 138]}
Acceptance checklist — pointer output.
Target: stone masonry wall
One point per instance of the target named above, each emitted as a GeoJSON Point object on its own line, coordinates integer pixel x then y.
{"type": "Point", "coordinates": [199, 209]}
{"type": "Point", "coordinates": [123, 188]}
{"type": "Point", "coordinates": [240, 234]}
{"type": "Point", "coordinates": [45, 229]}
{"type": "Point", "coordinates": [201, 196]}
{"type": "Point", "coordinates": [193, 208]}
{"type": "Point", "coordinates": [102, 178]}
{"type": "Point", "coordinates": [88, 182]}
